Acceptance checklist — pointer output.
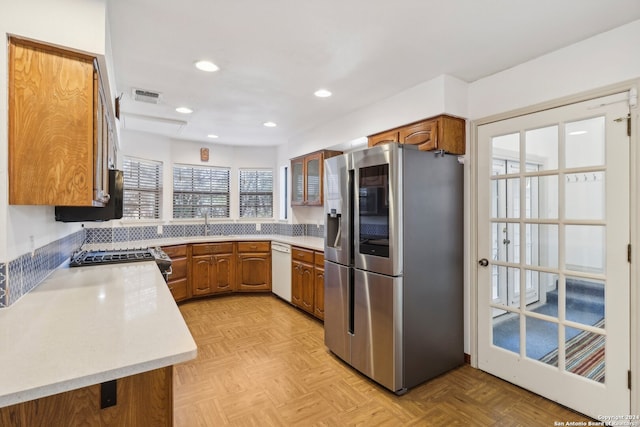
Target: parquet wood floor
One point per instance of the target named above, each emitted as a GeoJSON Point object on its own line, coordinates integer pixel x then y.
{"type": "Point", "coordinates": [262, 362]}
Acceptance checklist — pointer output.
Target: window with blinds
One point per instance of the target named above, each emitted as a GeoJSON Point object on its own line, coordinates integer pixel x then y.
{"type": "Point", "coordinates": [256, 193]}
{"type": "Point", "coordinates": [142, 188]}
{"type": "Point", "coordinates": [200, 190]}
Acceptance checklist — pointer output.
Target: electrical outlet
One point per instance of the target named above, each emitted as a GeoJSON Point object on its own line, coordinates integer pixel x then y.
{"type": "Point", "coordinates": [160, 229]}
{"type": "Point", "coordinates": [258, 226]}
{"type": "Point", "coordinates": [32, 245]}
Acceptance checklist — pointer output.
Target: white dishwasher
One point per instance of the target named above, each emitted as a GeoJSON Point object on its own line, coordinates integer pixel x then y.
{"type": "Point", "coordinates": [281, 270]}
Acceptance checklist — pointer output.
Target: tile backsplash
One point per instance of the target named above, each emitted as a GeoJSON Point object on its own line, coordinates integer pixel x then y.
{"type": "Point", "coordinates": [131, 234]}
{"type": "Point", "coordinates": [24, 273]}
{"type": "Point", "coordinates": [21, 275]}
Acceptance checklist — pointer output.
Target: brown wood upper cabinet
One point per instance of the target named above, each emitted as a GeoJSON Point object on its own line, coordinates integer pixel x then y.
{"type": "Point", "coordinates": [60, 127]}
{"type": "Point", "coordinates": [307, 176]}
{"type": "Point", "coordinates": [438, 133]}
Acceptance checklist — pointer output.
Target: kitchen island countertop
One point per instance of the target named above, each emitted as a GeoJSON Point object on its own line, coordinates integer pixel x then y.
{"type": "Point", "coordinates": [88, 325]}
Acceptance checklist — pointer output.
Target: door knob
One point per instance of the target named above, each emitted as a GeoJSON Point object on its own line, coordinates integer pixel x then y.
{"type": "Point", "coordinates": [483, 262]}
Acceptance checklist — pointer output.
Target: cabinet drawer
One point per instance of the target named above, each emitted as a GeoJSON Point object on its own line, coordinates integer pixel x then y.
{"type": "Point", "coordinates": [175, 251]}
{"type": "Point", "coordinates": [423, 134]}
{"type": "Point", "coordinates": [300, 254]}
{"type": "Point", "coordinates": [178, 289]}
{"type": "Point", "coordinates": [178, 268]}
{"type": "Point", "coordinates": [212, 248]}
{"type": "Point", "coordinates": [318, 258]}
{"type": "Point", "coordinates": [254, 246]}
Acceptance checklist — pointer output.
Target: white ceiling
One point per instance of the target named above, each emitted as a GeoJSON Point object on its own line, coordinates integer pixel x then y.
{"type": "Point", "coordinates": [273, 54]}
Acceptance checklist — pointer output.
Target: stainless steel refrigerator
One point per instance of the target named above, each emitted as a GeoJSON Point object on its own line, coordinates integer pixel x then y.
{"type": "Point", "coordinates": [393, 263]}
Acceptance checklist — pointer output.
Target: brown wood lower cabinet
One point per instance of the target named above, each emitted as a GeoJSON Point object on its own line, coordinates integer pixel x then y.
{"type": "Point", "coordinates": [307, 280]}
{"type": "Point", "coordinates": [178, 283]}
{"type": "Point", "coordinates": [212, 268]}
{"type": "Point", "coordinates": [144, 399]}
{"type": "Point", "coordinates": [254, 266]}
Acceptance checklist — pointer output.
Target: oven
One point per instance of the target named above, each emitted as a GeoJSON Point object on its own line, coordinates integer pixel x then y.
{"type": "Point", "coordinates": [84, 258]}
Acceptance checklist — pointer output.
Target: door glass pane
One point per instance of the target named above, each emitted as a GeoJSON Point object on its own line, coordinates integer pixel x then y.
{"type": "Point", "coordinates": [585, 142]}
{"type": "Point", "coordinates": [542, 197]}
{"type": "Point", "coordinates": [585, 246]}
{"type": "Point", "coordinates": [546, 286]}
{"type": "Point", "coordinates": [505, 280]}
{"type": "Point", "coordinates": [584, 300]}
{"type": "Point", "coordinates": [506, 242]}
{"type": "Point", "coordinates": [584, 195]}
{"type": "Point", "coordinates": [541, 241]}
{"type": "Point", "coordinates": [506, 331]}
{"type": "Point", "coordinates": [542, 338]}
{"type": "Point", "coordinates": [585, 353]}
{"type": "Point", "coordinates": [541, 147]}
{"type": "Point", "coordinates": [506, 147]}
{"type": "Point", "coordinates": [505, 198]}
{"type": "Point", "coordinates": [313, 180]}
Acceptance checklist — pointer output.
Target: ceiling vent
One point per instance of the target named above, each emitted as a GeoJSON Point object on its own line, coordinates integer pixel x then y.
{"type": "Point", "coordinates": [147, 96]}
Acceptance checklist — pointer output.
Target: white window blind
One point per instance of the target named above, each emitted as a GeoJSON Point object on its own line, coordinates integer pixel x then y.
{"type": "Point", "coordinates": [142, 188]}
{"type": "Point", "coordinates": [256, 193]}
{"type": "Point", "coordinates": [200, 190]}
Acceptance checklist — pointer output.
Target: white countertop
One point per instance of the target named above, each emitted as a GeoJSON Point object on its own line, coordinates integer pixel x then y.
{"type": "Point", "coordinates": [315, 243]}
{"type": "Point", "coordinates": [87, 325]}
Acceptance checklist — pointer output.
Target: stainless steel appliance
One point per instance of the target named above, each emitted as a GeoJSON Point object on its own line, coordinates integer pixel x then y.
{"type": "Point", "coordinates": [393, 263]}
{"type": "Point", "coordinates": [281, 270]}
{"type": "Point", "coordinates": [84, 258]}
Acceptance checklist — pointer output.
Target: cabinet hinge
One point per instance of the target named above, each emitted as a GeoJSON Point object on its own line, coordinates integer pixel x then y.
{"type": "Point", "coordinates": [629, 252]}
{"type": "Point", "coordinates": [629, 379]}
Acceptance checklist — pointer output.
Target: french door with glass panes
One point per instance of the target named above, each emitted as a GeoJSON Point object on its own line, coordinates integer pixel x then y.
{"type": "Point", "coordinates": [553, 274]}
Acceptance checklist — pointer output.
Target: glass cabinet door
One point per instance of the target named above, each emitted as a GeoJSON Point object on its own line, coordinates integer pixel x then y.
{"type": "Point", "coordinates": [313, 171]}
{"type": "Point", "coordinates": [297, 182]}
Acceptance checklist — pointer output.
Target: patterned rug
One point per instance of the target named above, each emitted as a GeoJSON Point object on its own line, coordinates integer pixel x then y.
{"type": "Point", "coordinates": [584, 355]}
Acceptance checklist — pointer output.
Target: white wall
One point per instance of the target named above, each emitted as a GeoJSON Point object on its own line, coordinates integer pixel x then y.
{"type": "Point", "coordinates": [169, 151]}
{"type": "Point", "coordinates": [77, 24]}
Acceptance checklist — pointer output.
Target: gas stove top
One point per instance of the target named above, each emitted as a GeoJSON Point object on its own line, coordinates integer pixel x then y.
{"type": "Point", "coordinates": [83, 258]}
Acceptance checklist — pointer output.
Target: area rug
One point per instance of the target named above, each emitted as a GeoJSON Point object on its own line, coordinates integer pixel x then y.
{"type": "Point", "coordinates": [584, 355]}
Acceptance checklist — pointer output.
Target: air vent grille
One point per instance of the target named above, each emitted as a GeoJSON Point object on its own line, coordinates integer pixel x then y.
{"type": "Point", "coordinates": [148, 96]}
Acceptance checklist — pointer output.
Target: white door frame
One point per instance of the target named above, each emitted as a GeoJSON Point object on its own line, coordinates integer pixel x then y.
{"type": "Point", "coordinates": [634, 205]}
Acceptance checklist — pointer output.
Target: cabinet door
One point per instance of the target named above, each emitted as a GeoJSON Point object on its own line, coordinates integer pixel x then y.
{"type": "Point", "coordinates": [200, 274]}
{"type": "Point", "coordinates": [222, 277]}
{"type": "Point", "coordinates": [318, 297]}
{"type": "Point", "coordinates": [296, 283]}
{"type": "Point", "coordinates": [423, 134]}
{"type": "Point", "coordinates": [307, 287]}
{"type": "Point", "coordinates": [254, 272]}
{"type": "Point", "coordinates": [51, 126]}
{"type": "Point", "coordinates": [297, 181]}
{"type": "Point", "coordinates": [313, 166]}
{"type": "Point", "coordinates": [383, 138]}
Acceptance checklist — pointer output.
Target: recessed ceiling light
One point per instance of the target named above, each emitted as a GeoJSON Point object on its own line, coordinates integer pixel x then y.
{"type": "Point", "coordinates": [270, 124]}
{"type": "Point", "coordinates": [207, 66]}
{"type": "Point", "coordinates": [184, 110]}
{"type": "Point", "coordinates": [578, 132]}
{"type": "Point", "coordinates": [212, 136]}
{"type": "Point", "coordinates": [322, 93]}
